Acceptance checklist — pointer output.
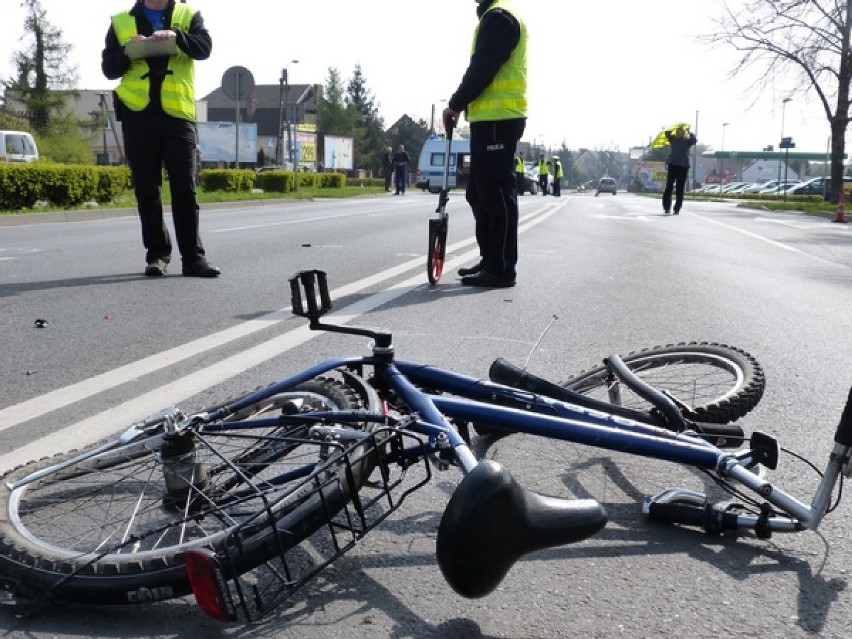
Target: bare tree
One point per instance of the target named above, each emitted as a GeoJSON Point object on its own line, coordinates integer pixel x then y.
{"type": "Point", "coordinates": [807, 43]}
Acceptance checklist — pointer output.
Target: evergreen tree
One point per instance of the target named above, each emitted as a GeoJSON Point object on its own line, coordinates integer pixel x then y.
{"type": "Point", "coordinates": [41, 69]}
{"type": "Point", "coordinates": [333, 118]}
{"type": "Point", "coordinates": [369, 132]}
{"type": "Point", "coordinates": [410, 133]}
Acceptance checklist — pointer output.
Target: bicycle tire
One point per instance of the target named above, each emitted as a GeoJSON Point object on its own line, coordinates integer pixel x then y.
{"type": "Point", "coordinates": [718, 382]}
{"type": "Point", "coordinates": [53, 532]}
{"type": "Point", "coordinates": [437, 250]}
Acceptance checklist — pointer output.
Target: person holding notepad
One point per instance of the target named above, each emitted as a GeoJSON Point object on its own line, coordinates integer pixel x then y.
{"type": "Point", "coordinates": [152, 49]}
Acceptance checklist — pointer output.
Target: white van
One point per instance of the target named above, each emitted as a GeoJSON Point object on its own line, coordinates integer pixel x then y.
{"type": "Point", "coordinates": [17, 146]}
{"type": "Point", "coordinates": [430, 166]}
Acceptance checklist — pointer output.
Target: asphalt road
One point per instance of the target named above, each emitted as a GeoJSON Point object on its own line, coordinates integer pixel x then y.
{"type": "Point", "coordinates": [617, 275]}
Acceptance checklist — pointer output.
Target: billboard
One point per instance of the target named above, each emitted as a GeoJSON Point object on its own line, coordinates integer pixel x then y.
{"type": "Point", "coordinates": [217, 141]}
{"type": "Point", "coordinates": [306, 146]}
{"type": "Point", "coordinates": [339, 152]}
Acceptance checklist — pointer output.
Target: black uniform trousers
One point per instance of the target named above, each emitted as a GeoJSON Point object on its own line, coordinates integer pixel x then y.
{"type": "Point", "coordinates": [154, 141]}
{"type": "Point", "coordinates": [675, 179]}
{"type": "Point", "coordinates": [492, 194]}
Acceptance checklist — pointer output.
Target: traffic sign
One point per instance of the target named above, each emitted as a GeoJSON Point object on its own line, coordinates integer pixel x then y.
{"type": "Point", "coordinates": [237, 83]}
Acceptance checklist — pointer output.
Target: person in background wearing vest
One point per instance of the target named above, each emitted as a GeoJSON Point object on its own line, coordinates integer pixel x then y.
{"type": "Point", "coordinates": [543, 172]}
{"type": "Point", "coordinates": [155, 102]}
{"type": "Point", "coordinates": [678, 167]}
{"type": "Point", "coordinates": [493, 93]}
{"type": "Point", "coordinates": [519, 173]}
{"type": "Point", "coordinates": [556, 171]}
{"type": "Point", "coordinates": [400, 163]}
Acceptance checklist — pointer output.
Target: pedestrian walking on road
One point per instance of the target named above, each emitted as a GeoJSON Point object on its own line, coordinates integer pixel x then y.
{"type": "Point", "coordinates": [678, 167]}
{"type": "Point", "coordinates": [152, 48]}
{"type": "Point", "coordinates": [493, 94]}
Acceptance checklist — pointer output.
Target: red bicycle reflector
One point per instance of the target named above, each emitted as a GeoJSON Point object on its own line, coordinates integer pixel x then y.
{"type": "Point", "coordinates": [208, 584]}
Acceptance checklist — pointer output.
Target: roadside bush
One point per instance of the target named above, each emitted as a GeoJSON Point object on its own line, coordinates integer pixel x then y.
{"type": "Point", "coordinates": [280, 181]}
{"type": "Point", "coordinates": [332, 180]}
{"type": "Point", "coordinates": [22, 186]}
{"type": "Point", "coordinates": [232, 180]}
{"type": "Point", "coordinates": [283, 181]}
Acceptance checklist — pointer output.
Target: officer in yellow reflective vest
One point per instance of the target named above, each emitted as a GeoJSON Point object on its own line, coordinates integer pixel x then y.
{"type": "Point", "coordinates": [556, 172]}
{"type": "Point", "coordinates": [493, 94]}
{"type": "Point", "coordinates": [155, 103]}
{"type": "Point", "coordinates": [520, 177]}
{"type": "Point", "coordinates": [543, 172]}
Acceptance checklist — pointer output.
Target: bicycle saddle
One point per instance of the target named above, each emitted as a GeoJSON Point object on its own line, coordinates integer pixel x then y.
{"type": "Point", "coordinates": [491, 521]}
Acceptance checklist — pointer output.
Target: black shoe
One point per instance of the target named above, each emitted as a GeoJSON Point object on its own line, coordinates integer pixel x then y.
{"type": "Point", "coordinates": [667, 212]}
{"type": "Point", "coordinates": [200, 268]}
{"type": "Point", "coordinates": [487, 280]}
{"type": "Point", "coordinates": [471, 270]}
{"type": "Point", "coordinates": [677, 212]}
{"type": "Point", "coordinates": [156, 267]}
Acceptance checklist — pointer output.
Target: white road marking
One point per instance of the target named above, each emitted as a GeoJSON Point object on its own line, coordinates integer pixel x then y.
{"type": "Point", "coordinates": [113, 420]}
{"type": "Point", "coordinates": [802, 227]}
{"type": "Point", "coordinates": [631, 218]}
{"type": "Point", "coordinates": [752, 235]}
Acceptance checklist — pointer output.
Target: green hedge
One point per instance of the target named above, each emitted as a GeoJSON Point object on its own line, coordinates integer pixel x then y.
{"type": "Point", "coordinates": [282, 181]}
{"type": "Point", "coordinates": [59, 185]}
{"type": "Point", "coordinates": [233, 180]}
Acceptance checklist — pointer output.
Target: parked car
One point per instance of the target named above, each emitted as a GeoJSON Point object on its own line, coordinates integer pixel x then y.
{"type": "Point", "coordinates": [607, 185]}
{"type": "Point", "coordinates": [17, 146]}
{"type": "Point", "coordinates": [532, 174]}
{"type": "Point", "coordinates": [778, 186]}
{"type": "Point", "coordinates": [732, 187]}
{"type": "Point", "coordinates": [531, 181]}
{"type": "Point", "coordinates": [710, 188]}
{"type": "Point", "coordinates": [819, 186]}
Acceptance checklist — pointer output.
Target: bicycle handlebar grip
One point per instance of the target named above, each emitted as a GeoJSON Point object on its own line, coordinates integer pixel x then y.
{"type": "Point", "coordinates": [706, 517]}
{"type": "Point", "coordinates": [843, 435]}
{"type": "Point", "coordinates": [678, 514]}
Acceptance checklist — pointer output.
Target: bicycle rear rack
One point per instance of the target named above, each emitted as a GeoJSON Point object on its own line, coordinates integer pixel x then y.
{"type": "Point", "coordinates": [228, 593]}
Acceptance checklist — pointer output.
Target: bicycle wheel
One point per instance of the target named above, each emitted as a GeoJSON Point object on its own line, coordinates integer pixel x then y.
{"type": "Point", "coordinates": [719, 383]}
{"type": "Point", "coordinates": [437, 249]}
{"type": "Point", "coordinates": [108, 530]}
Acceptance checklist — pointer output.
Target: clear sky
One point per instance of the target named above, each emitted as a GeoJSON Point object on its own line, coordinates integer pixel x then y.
{"type": "Point", "coordinates": [606, 74]}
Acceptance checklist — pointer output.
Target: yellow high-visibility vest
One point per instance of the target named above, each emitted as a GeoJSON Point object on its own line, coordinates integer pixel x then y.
{"type": "Point", "coordinates": [178, 90]}
{"type": "Point", "coordinates": [519, 165]}
{"type": "Point", "coordinates": [506, 97]}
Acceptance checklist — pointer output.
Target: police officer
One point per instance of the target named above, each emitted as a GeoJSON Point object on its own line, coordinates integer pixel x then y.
{"type": "Point", "coordinates": [543, 172]}
{"type": "Point", "coordinates": [155, 102]}
{"type": "Point", "coordinates": [493, 92]}
{"type": "Point", "coordinates": [519, 173]}
{"type": "Point", "coordinates": [556, 172]}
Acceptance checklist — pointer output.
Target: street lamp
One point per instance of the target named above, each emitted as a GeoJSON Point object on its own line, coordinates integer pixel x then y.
{"type": "Point", "coordinates": [722, 159]}
{"type": "Point", "coordinates": [283, 89]}
{"type": "Point", "coordinates": [783, 112]}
